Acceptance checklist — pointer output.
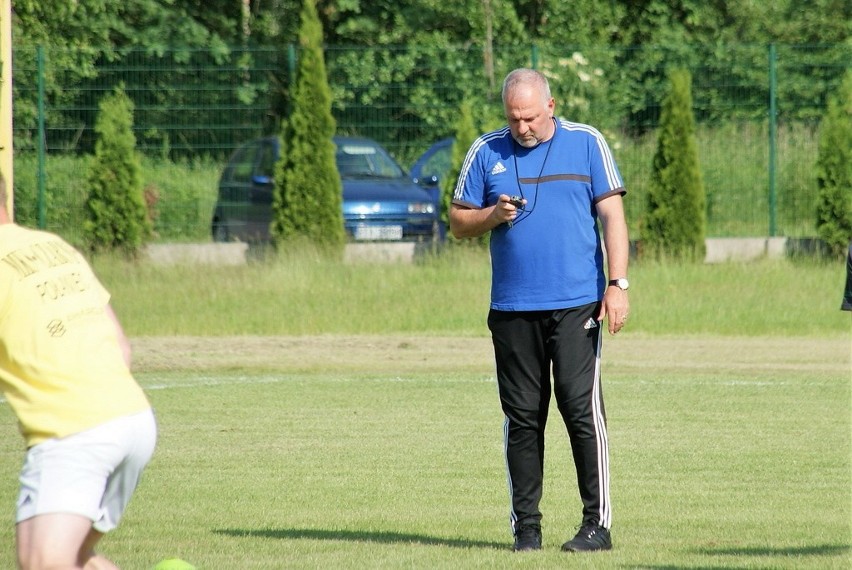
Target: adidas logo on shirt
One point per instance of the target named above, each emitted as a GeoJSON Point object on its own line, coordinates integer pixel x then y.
{"type": "Point", "coordinates": [498, 168]}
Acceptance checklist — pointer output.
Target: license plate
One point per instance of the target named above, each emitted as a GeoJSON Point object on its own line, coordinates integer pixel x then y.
{"type": "Point", "coordinates": [378, 233]}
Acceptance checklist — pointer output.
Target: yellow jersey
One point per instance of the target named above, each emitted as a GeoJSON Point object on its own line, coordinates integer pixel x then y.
{"type": "Point", "coordinates": [61, 365]}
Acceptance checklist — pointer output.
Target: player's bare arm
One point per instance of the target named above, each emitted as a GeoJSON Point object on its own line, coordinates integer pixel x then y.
{"type": "Point", "coordinates": [615, 305]}
{"type": "Point", "coordinates": [472, 222]}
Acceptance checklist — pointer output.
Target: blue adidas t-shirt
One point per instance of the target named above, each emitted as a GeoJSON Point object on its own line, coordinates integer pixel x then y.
{"type": "Point", "coordinates": [551, 256]}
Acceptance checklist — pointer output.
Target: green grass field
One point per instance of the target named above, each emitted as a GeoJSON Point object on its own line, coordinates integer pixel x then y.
{"type": "Point", "coordinates": [303, 294]}
{"type": "Point", "coordinates": [385, 452]}
{"type": "Point", "coordinates": [322, 442]}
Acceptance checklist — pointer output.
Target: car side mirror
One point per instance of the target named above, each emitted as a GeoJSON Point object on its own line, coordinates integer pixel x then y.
{"type": "Point", "coordinates": [429, 181]}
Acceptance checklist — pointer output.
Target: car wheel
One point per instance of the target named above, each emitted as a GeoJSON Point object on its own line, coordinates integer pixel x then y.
{"type": "Point", "coordinates": [220, 232]}
{"type": "Point", "coordinates": [436, 233]}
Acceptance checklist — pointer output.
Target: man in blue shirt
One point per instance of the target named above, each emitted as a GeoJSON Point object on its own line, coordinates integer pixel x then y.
{"type": "Point", "coordinates": [541, 185]}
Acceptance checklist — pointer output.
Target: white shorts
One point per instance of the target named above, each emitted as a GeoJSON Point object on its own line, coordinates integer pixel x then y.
{"type": "Point", "coordinates": [92, 473]}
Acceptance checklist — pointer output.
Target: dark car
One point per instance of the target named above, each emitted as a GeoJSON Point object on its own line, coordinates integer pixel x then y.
{"type": "Point", "coordinates": [380, 202]}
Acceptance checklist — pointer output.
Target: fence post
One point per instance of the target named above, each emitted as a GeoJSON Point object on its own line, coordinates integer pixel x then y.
{"type": "Point", "coordinates": [534, 57]}
{"type": "Point", "coordinates": [773, 138]}
{"type": "Point", "coordinates": [42, 144]}
{"type": "Point", "coordinates": [7, 158]}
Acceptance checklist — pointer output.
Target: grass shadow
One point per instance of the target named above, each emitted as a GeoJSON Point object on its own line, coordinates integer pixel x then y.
{"type": "Point", "coordinates": [745, 551]}
{"type": "Point", "coordinates": [674, 567]}
{"type": "Point", "coordinates": [815, 550]}
{"type": "Point", "coordinates": [361, 536]}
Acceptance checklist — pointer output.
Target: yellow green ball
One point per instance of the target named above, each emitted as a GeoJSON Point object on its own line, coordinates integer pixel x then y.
{"type": "Point", "coordinates": [173, 564]}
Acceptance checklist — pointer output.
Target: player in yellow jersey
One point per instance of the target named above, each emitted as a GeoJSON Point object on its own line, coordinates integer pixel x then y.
{"type": "Point", "coordinates": [65, 371]}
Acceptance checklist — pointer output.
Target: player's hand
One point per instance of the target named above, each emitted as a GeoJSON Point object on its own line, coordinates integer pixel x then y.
{"type": "Point", "coordinates": [504, 210]}
{"type": "Point", "coordinates": [616, 308]}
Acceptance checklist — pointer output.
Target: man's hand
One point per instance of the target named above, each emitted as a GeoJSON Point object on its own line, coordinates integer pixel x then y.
{"type": "Point", "coordinates": [615, 307]}
{"type": "Point", "coordinates": [505, 211]}
{"type": "Point", "coordinates": [470, 222]}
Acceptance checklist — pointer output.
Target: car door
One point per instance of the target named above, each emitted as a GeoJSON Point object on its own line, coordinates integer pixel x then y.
{"type": "Point", "coordinates": [235, 194]}
{"type": "Point", "coordinates": [261, 188]}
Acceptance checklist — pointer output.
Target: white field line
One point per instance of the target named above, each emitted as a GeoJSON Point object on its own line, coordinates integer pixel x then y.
{"type": "Point", "coordinates": [212, 381]}
{"type": "Point", "coordinates": [266, 379]}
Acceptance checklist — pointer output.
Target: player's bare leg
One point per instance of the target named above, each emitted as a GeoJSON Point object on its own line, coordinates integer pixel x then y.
{"type": "Point", "coordinates": [89, 559]}
{"type": "Point", "coordinates": [52, 541]}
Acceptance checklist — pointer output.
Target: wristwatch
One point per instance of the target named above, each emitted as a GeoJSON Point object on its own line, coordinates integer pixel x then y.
{"type": "Point", "coordinates": [621, 283]}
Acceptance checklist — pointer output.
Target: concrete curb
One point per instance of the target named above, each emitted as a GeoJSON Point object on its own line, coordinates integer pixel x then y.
{"type": "Point", "coordinates": [197, 253]}
{"type": "Point", "coordinates": [719, 250]}
{"type": "Point", "coordinates": [238, 253]}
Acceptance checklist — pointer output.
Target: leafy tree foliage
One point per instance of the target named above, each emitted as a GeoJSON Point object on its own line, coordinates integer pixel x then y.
{"type": "Point", "coordinates": [307, 200]}
{"type": "Point", "coordinates": [676, 201]}
{"type": "Point", "coordinates": [578, 61]}
{"type": "Point", "coordinates": [117, 217]}
{"type": "Point", "coordinates": [834, 166]}
{"type": "Point", "coordinates": [80, 36]}
{"type": "Point", "coordinates": [88, 32]}
{"type": "Point", "coordinates": [416, 60]}
{"type": "Point", "coordinates": [435, 52]}
{"type": "Point", "coordinates": [555, 21]}
{"type": "Point", "coordinates": [700, 35]}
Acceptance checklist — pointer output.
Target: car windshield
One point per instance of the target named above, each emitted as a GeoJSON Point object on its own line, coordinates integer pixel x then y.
{"type": "Point", "coordinates": [362, 160]}
{"type": "Point", "coordinates": [438, 164]}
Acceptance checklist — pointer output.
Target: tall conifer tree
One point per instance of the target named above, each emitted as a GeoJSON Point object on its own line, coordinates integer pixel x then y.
{"type": "Point", "coordinates": [307, 200]}
{"type": "Point", "coordinates": [675, 222]}
{"type": "Point", "coordinates": [834, 171]}
{"type": "Point", "coordinates": [117, 217]}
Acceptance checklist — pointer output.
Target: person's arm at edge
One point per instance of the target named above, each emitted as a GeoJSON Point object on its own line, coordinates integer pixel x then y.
{"type": "Point", "coordinates": [119, 333]}
{"type": "Point", "coordinates": [615, 305]}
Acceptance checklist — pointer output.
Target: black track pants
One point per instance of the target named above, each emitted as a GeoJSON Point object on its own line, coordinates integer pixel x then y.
{"type": "Point", "coordinates": [526, 346]}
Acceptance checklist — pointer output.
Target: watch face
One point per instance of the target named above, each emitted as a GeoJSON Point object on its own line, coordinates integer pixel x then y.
{"type": "Point", "coordinates": [622, 283]}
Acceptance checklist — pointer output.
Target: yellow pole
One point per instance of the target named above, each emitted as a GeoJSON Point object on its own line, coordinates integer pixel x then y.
{"type": "Point", "coordinates": [6, 147]}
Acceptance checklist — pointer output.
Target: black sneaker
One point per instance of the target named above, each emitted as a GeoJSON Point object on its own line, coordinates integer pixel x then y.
{"type": "Point", "coordinates": [590, 538]}
{"type": "Point", "coordinates": [527, 537]}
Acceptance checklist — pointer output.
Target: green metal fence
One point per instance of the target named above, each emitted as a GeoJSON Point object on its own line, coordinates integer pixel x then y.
{"type": "Point", "coordinates": [757, 109]}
